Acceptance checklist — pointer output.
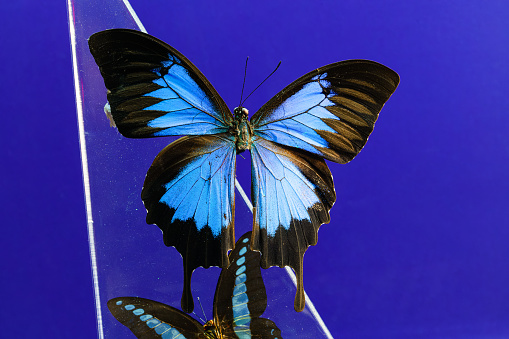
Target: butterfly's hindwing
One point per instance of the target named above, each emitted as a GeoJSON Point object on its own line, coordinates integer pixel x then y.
{"type": "Point", "coordinates": [293, 192]}
{"type": "Point", "coordinates": [149, 319]}
{"type": "Point", "coordinates": [329, 112]}
{"type": "Point", "coordinates": [153, 90]}
{"type": "Point", "coordinates": [241, 297]}
{"type": "Point", "coordinates": [262, 328]}
{"type": "Point", "coordinates": [189, 194]}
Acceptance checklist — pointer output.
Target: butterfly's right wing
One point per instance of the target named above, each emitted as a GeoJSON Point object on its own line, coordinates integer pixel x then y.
{"type": "Point", "coordinates": [241, 297]}
{"type": "Point", "coordinates": [328, 113]}
{"type": "Point", "coordinates": [189, 193]}
{"type": "Point", "coordinates": [149, 319]}
{"type": "Point", "coordinates": [154, 90]}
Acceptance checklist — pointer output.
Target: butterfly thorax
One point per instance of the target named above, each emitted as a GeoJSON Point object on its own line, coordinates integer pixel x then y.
{"type": "Point", "coordinates": [242, 129]}
{"type": "Point", "coordinates": [211, 330]}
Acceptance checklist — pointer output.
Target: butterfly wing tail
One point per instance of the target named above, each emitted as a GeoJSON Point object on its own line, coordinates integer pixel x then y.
{"type": "Point", "coordinates": [287, 249]}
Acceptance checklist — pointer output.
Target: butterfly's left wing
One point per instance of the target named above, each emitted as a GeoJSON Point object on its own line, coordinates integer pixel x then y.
{"type": "Point", "coordinates": [189, 194]}
{"type": "Point", "coordinates": [149, 319]}
{"type": "Point", "coordinates": [241, 298]}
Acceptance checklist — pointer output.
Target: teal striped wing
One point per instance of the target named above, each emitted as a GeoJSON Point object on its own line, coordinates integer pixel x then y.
{"type": "Point", "coordinates": [149, 319]}
{"type": "Point", "coordinates": [241, 298]}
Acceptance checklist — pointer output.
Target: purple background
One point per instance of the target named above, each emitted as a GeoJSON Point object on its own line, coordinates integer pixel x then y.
{"type": "Point", "coordinates": [418, 244]}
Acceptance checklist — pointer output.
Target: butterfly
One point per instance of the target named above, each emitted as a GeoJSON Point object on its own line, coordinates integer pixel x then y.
{"type": "Point", "coordinates": [239, 301]}
{"type": "Point", "coordinates": [155, 91]}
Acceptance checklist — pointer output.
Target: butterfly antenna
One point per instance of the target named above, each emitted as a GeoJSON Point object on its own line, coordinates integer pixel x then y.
{"type": "Point", "coordinates": [197, 316]}
{"type": "Point", "coordinates": [274, 71]}
{"type": "Point", "coordinates": [243, 83]}
{"type": "Point", "coordinates": [202, 311]}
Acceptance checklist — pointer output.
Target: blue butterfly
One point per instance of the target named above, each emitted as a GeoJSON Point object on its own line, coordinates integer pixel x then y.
{"type": "Point", "coordinates": [239, 301]}
{"type": "Point", "coordinates": [154, 91]}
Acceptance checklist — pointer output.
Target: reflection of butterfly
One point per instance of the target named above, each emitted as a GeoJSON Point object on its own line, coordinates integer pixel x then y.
{"type": "Point", "coordinates": [239, 302]}
{"type": "Point", "coordinates": [328, 114]}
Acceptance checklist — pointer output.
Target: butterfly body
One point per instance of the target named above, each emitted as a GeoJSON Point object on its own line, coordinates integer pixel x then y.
{"type": "Point", "coordinates": [327, 114]}
{"type": "Point", "coordinates": [242, 130]}
{"type": "Point", "coordinates": [211, 330]}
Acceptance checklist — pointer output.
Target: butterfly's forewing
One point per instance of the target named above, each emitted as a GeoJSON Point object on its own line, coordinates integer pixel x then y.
{"type": "Point", "coordinates": [189, 194]}
{"type": "Point", "coordinates": [292, 191]}
{"type": "Point", "coordinates": [330, 111]}
{"type": "Point", "coordinates": [153, 90]}
{"type": "Point", "coordinates": [149, 319]}
{"type": "Point", "coordinates": [241, 298]}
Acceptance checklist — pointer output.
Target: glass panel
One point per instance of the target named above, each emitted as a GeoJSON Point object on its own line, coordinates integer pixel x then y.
{"type": "Point", "coordinates": [128, 256]}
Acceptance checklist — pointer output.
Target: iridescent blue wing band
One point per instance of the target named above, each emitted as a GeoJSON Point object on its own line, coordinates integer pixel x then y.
{"type": "Point", "coordinates": [189, 194]}
{"type": "Point", "coordinates": [149, 319]}
{"type": "Point", "coordinates": [330, 111]}
{"type": "Point", "coordinates": [153, 90]}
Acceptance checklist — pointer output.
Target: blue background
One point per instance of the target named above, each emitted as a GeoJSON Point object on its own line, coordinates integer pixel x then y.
{"type": "Point", "coordinates": [418, 243]}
